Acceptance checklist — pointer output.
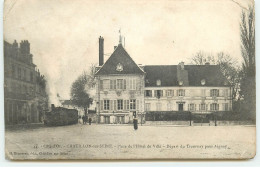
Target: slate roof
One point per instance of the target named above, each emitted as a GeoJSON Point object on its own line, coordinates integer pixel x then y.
{"type": "Point", "coordinates": [168, 75]}
{"type": "Point", "coordinates": [119, 56]}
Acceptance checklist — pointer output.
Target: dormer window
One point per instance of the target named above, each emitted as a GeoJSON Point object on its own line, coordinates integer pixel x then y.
{"type": "Point", "coordinates": [181, 83]}
{"type": "Point", "coordinates": [203, 82]}
{"type": "Point", "coordinates": [158, 82]}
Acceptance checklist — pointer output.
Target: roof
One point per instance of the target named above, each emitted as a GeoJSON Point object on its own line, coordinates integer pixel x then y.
{"type": "Point", "coordinates": [119, 56]}
{"type": "Point", "coordinates": [168, 75]}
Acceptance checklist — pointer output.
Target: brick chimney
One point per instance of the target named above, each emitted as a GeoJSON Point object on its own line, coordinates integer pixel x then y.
{"type": "Point", "coordinates": [101, 51]}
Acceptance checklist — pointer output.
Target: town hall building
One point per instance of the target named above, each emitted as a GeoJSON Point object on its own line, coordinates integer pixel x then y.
{"type": "Point", "coordinates": [125, 89]}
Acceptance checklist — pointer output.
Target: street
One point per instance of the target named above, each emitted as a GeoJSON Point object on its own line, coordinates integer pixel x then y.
{"type": "Point", "coordinates": [123, 142]}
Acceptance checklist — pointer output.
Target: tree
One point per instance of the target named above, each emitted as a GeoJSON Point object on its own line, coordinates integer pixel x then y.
{"type": "Point", "coordinates": [228, 67]}
{"type": "Point", "coordinates": [248, 88]}
{"type": "Point", "coordinates": [80, 90]}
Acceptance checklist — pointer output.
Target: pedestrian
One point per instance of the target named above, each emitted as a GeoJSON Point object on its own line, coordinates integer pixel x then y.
{"type": "Point", "coordinates": [89, 121]}
{"type": "Point", "coordinates": [135, 121]}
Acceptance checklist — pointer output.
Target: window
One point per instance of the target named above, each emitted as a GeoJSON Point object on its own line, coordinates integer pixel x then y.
{"type": "Point", "coordinates": [132, 104]}
{"type": "Point", "coordinates": [148, 93]}
{"type": "Point", "coordinates": [158, 82]}
{"type": "Point", "coordinates": [203, 107]}
{"type": "Point", "coordinates": [106, 104]}
{"type": "Point", "coordinates": [169, 93]}
{"type": "Point", "coordinates": [132, 84]}
{"type": "Point", "coordinates": [106, 84]}
{"type": "Point", "coordinates": [147, 106]}
{"type": "Point", "coordinates": [214, 107]}
{"type": "Point", "coordinates": [214, 93]}
{"type": "Point", "coordinates": [119, 104]}
{"type": "Point", "coordinates": [181, 92]}
{"type": "Point", "coordinates": [225, 106]}
{"type": "Point", "coordinates": [169, 106]}
{"type": "Point", "coordinates": [158, 93]}
{"type": "Point", "coordinates": [112, 84]}
{"type": "Point", "coordinates": [119, 83]}
{"type": "Point", "coordinates": [192, 107]}
{"type": "Point", "coordinates": [158, 106]}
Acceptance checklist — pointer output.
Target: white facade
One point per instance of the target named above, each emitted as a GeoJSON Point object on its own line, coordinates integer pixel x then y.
{"type": "Point", "coordinates": [194, 99]}
{"type": "Point", "coordinates": [118, 96]}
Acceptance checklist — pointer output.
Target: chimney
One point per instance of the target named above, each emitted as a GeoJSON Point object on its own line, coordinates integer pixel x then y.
{"type": "Point", "coordinates": [101, 51]}
{"type": "Point", "coordinates": [207, 63]}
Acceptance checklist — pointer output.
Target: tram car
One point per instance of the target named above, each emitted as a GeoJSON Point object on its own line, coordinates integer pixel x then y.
{"type": "Point", "coordinates": [59, 116]}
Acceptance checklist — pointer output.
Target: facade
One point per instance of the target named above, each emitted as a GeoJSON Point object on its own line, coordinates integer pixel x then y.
{"type": "Point", "coordinates": [200, 89]}
{"type": "Point", "coordinates": [124, 88]}
{"type": "Point", "coordinates": [24, 87]}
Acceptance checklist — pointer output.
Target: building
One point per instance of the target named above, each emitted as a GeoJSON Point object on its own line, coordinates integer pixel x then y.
{"type": "Point", "coordinates": [24, 88]}
{"type": "Point", "coordinates": [124, 88]}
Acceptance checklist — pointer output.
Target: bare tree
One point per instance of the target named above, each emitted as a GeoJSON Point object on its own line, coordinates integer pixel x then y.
{"type": "Point", "coordinates": [228, 66]}
{"type": "Point", "coordinates": [248, 88]}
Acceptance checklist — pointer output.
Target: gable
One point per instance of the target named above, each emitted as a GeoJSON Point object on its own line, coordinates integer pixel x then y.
{"type": "Point", "coordinates": [119, 63]}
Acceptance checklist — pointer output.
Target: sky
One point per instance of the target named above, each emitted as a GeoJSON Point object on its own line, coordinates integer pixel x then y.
{"type": "Point", "coordinates": [64, 34]}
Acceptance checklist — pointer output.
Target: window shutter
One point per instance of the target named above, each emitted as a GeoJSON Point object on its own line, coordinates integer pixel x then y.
{"type": "Point", "coordinates": [195, 107]}
{"type": "Point", "coordinates": [183, 92]}
{"type": "Point", "coordinates": [211, 107]}
{"type": "Point", "coordinates": [110, 104]}
{"type": "Point", "coordinates": [217, 93]}
{"type": "Point", "coordinates": [115, 105]}
{"type": "Point", "coordinates": [211, 94]}
{"type": "Point", "coordinates": [161, 93]}
{"type": "Point", "coordinates": [155, 93]}
{"type": "Point", "coordinates": [127, 104]}
{"type": "Point", "coordinates": [188, 106]}
{"type": "Point", "coordinates": [124, 106]}
{"type": "Point", "coordinates": [206, 107]}
{"type": "Point", "coordinates": [134, 84]}
{"type": "Point", "coordinates": [137, 104]}
{"type": "Point", "coordinates": [217, 106]}
{"type": "Point", "coordinates": [177, 93]}
{"type": "Point", "coordinates": [101, 105]}
{"type": "Point", "coordinates": [124, 83]}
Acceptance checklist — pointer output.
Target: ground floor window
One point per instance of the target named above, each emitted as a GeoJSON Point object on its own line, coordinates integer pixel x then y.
{"type": "Point", "coordinates": [132, 104]}
{"type": "Point", "coordinates": [147, 106]}
{"type": "Point", "coordinates": [214, 107]}
{"type": "Point", "coordinates": [158, 106]}
{"type": "Point", "coordinates": [192, 107]}
{"type": "Point", "coordinates": [225, 106]}
{"type": "Point", "coordinates": [203, 107]}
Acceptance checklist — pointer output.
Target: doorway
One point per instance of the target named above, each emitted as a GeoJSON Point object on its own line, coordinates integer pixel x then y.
{"type": "Point", "coordinates": [107, 119]}
{"type": "Point", "coordinates": [180, 107]}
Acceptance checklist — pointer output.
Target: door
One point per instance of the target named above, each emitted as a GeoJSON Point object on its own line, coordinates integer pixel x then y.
{"type": "Point", "coordinates": [107, 120]}
{"type": "Point", "coordinates": [180, 107]}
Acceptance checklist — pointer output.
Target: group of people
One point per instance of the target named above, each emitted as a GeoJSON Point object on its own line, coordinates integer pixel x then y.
{"type": "Point", "coordinates": [86, 120]}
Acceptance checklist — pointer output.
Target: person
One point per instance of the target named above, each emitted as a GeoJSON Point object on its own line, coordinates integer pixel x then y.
{"type": "Point", "coordinates": [135, 121]}
{"type": "Point", "coordinates": [89, 121]}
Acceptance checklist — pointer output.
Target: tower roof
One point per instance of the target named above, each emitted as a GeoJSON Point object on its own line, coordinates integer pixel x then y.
{"type": "Point", "coordinates": [119, 63]}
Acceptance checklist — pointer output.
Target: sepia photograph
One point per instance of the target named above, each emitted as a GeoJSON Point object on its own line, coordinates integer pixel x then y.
{"type": "Point", "coordinates": [129, 80]}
